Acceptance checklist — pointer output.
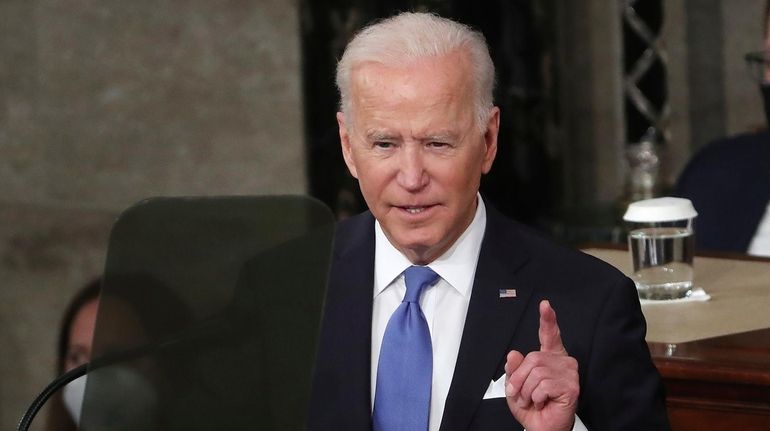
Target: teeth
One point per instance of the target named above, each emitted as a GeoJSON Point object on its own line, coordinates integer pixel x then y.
{"type": "Point", "coordinates": [415, 210]}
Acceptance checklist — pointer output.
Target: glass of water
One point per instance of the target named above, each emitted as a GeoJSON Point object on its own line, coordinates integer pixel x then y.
{"type": "Point", "coordinates": [661, 240]}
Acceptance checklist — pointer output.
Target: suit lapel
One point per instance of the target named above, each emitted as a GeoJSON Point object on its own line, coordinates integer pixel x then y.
{"type": "Point", "coordinates": [490, 323]}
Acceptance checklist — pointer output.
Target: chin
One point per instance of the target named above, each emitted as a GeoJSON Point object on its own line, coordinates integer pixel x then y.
{"type": "Point", "coordinates": [423, 246]}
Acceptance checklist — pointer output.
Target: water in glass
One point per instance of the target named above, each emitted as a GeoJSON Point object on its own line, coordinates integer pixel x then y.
{"type": "Point", "coordinates": [662, 259]}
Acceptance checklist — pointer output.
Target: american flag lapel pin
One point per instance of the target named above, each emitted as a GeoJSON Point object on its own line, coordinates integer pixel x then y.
{"type": "Point", "coordinates": [507, 293]}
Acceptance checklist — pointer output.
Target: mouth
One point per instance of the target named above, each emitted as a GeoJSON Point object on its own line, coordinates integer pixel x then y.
{"type": "Point", "coordinates": [416, 209]}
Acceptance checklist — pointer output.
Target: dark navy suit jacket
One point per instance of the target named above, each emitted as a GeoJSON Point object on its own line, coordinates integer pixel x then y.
{"type": "Point", "coordinates": [728, 182]}
{"type": "Point", "coordinates": [597, 308]}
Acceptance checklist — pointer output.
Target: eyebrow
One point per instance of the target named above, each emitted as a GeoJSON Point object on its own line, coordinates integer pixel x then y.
{"type": "Point", "coordinates": [381, 135]}
{"type": "Point", "coordinates": [440, 136]}
{"type": "Point", "coordinates": [386, 135]}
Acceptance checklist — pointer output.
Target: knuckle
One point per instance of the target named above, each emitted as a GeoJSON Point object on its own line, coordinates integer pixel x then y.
{"type": "Point", "coordinates": [539, 373]}
{"type": "Point", "coordinates": [536, 358]}
{"type": "Point", "coordinates": [572, 364]}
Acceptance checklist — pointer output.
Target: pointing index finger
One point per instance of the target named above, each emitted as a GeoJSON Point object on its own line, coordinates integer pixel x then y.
{"type": "Point", "coordinates": [549, 333]}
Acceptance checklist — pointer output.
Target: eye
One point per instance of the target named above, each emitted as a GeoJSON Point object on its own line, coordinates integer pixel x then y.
{"type": "Point", "coordinates": [438, 144]}
{"type": "Point", "coordinates": [383, 145]}
{"type": "Point", "coordinates": [75, 358]}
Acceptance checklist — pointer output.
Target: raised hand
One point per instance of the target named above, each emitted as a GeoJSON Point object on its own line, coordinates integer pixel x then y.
{"type": "Point", "coordinates": [542, 388]}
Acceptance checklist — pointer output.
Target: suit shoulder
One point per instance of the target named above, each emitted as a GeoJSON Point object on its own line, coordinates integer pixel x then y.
{"type": "Point", "coordinates": [547, 254]}
{"type": "Point", "coordinates": [353, 231]}
{"type": "Point", "coordinates": [355, 226]}
{"type": "Point", "coordinates": [730, 156]}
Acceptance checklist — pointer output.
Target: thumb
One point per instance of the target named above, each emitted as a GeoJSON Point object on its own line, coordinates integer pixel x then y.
{"type": "Point", "coordinates": [549, 333]}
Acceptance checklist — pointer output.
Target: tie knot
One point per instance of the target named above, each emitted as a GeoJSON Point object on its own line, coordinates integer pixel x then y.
{"type": "Point", "coordinates": [417, 278]}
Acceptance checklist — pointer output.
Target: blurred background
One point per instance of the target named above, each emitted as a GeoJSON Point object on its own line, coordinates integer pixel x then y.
{"type": "Point", "coordinates": [104, 103]}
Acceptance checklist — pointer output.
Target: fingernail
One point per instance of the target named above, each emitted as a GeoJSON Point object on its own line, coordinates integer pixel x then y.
{"type": "Point", "coordinates": [508, 390]}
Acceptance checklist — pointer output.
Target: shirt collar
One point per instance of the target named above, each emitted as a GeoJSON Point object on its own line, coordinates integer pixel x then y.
{"type": "Point", "coordinates": [456, 266]}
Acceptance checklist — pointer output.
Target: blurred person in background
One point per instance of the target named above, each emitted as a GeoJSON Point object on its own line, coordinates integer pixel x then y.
{"type": "Point", "coordinates": [728, 180]}
{"type": "Point", "coordinates": [135, 310]}
{"type": "Point", "coordinates": [74, 349]}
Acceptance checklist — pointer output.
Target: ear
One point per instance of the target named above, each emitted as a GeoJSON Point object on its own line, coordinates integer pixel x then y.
{"type": "Point", "coordinates": [490, 139]}
{"type": "Point", "coordinates": [345, 143]}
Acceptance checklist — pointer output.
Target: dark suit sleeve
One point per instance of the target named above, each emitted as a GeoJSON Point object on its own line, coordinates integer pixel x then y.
{"type": "Point", "coordinates": [620, 377]}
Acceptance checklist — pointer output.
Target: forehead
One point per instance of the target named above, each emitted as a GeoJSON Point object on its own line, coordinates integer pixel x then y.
{"type": "Point", "coordinates": [437, 85]}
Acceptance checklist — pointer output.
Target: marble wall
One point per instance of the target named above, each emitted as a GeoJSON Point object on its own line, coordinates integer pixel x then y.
{"type": "Point", "coordinates": [103, 103]}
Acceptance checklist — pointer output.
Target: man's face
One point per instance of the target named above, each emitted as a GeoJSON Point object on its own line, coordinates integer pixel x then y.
{"type": "Point", "coordinates": [416, 150]}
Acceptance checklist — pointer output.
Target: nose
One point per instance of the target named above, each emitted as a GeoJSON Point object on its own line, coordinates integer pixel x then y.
{"type": "Point", "coordinates": [412, 175]}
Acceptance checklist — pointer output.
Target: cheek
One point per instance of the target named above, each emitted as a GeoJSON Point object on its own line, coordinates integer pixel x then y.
{"type": "Point", "coordinates": [460, 178]}
{"type": "Point", "coordinates": [373, 181]}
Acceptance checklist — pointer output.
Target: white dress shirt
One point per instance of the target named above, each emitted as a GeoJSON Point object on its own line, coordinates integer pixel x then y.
{"type": "Point", "coordinates": [760, 243]}
{"type": "Point", "coordinates": [444, 304]}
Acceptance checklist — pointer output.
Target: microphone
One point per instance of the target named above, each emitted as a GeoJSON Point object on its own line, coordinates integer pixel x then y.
{"type": "Point", "coordinates": [211, 326]}
{"type": "Point", "coordinates": [49, 390]}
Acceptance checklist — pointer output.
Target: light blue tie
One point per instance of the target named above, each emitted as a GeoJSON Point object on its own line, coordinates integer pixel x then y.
{"type": "Point", "coordinates": [405, 368]}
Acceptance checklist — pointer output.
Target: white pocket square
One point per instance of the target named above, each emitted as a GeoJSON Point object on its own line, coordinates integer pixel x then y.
{"type": "Point", "coordinates": [496, 388]}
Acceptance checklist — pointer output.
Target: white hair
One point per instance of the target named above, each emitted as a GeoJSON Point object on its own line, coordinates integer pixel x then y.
{"type": "Point", "coordinates": [409, 37]}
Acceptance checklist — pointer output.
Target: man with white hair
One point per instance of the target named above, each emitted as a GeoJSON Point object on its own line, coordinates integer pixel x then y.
{"type": "Point", "coordinates": [440, 312]}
